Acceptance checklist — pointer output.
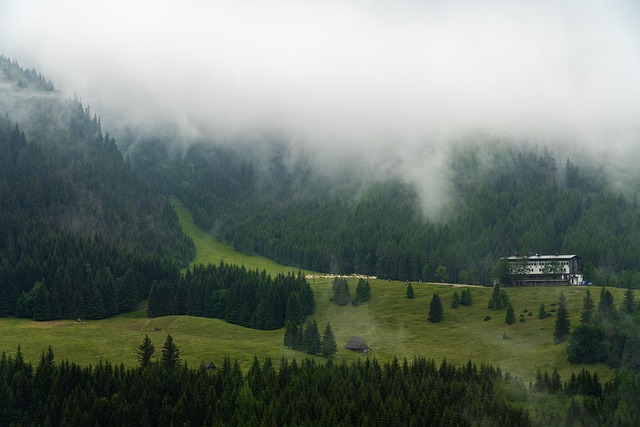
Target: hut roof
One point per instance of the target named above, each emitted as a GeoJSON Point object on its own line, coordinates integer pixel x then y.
{"type": "Point", "coordinates": [210, 365]}
{"type": "Point", "coordinates": [357, 343]}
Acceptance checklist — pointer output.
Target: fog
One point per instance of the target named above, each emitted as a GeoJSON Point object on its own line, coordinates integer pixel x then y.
{"type": "Point", "coordinates": [384, 85]}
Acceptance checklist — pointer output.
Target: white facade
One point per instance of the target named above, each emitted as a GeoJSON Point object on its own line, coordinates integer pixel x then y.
{"type": "Point", "coordinates": [544, 270]}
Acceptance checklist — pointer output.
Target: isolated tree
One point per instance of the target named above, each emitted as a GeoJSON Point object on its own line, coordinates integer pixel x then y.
{"type": "Point", "coordinates": [587, 309]}
{"type": "Point", "coordinates": [561, 331]}
{"type": "Point", "coordinates": [341, 294]}
{"type": "Point", "coordinates": [465, 297]}
{"type": "Point", "coordinates": [291, 335]}
{"type": "Point", "coordinates": [542, 313]}
{"type": "Point", "coordinates": [455, 301]}
{"type": "Point", "coordinates": [363, 292]}
{"type": "Point", "coordinates": [410, 293]}
{"type": "Point", "coordinates": [510, 317]}
{"type": "Point", "coordinates": [499, 298]}
{"type": "Point", "coordinates": [170, 354]}
{"type": "Point", "coordinates": [145, 352]}
{"type": "Point", "coordinates": [435, 309]}
{"type": "Point", "coordinates": [328, 347]}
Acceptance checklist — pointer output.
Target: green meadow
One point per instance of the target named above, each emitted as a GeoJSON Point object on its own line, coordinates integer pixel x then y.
{"type": "Point", "coordinates": [392, 325]}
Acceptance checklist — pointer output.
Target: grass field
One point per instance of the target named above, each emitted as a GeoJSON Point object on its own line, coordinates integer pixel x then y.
{"type": "Point", "coordinates": [391, 324]}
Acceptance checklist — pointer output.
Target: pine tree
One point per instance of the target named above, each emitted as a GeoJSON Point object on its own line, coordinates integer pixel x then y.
{"type": "Point", "coordinates": [363, 292]}
{"type": "Point", "coordinates": [455, 301]}
{"type": "Point", "coordinates": [170, 354]}
{"type": "Point", "coordinates": [510, 317]}
{"type": "Point", "coordinates": [606, 309]}
{"type": "Point", "coordinates": [311, 338]}
{"type": "Point", "coordinates": [145, 352]}
{"type": "Point", "coordinates": [291, 336]}
{"type": "Point", "coordinates": [587, 309]}
{"type": "Point", "coordinates": [435, 309]}
{"type": "Point", "coordinates": [328, 347]}
{"type": "Point", "coordinates": [563, 324]}
{"type": "Point", "coordinates": [499, 298]}
{"type": "Point", "coordinates": [465, 297]}
{"type": "Point", "coordinates": [542, 313]}
{"type": "Point", "coordinates": [410, 293]}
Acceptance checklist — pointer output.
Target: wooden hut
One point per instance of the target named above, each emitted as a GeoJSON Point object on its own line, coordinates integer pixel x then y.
{"type": "Point", "coordinates": [357, 344]}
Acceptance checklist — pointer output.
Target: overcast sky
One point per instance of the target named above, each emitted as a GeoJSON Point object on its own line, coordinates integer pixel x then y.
{"type": "Point", "coordinates": [359, 75]}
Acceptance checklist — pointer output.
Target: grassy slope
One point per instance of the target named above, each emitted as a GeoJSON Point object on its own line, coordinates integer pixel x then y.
{"type": "Point", "coordinates": [391, 324]}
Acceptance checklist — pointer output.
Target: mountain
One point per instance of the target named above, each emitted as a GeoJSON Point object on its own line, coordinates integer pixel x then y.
{"type": "Point", "coordinates": [81, 233]}
{"type": "Point", "coordinates": [504, 199]}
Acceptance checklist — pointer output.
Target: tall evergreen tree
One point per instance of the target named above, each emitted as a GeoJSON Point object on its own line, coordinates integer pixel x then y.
{"type": "Point", "coordinates": [435, 309]}
{"type": "Point", "coordinates": [510, 316]}
{"type": "Point", "coordinates": [311, 338]}
{"type": "Point", "coordinates": [410, 293]}
{"type": "Point", "coordinates": [587, 309]}
{"type": "Point", "coordinates": [455, 301]}
{"type": "Point", "coordinates": [145, 351]}
{"type": "Point", "coordinates": [363, 292]}
{"type": "Point", "coordinates": [341, 293]}
{"type": "Point", "coordinates": [465, 297]}
{"type": "Point", "coordinates": [328, 347]}
{"type": "Point", "coordinates": [561, 331]}
{"type": "Point", "coordinates": [499, 298]}
{"type": "Point", "coordinates": [170, 354]}
{"type": "Point", "coordinates": [606, 308]}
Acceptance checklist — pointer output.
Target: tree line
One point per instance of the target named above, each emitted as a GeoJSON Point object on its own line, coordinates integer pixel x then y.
{"type": "Point", "coordinates": [82, 235]}
{"type": "Point", "coordinates": [168, 392]}
{"type": "Point", "coordinates": [505, 200]}
{"type": "Point", "coordinates": [249, 298]}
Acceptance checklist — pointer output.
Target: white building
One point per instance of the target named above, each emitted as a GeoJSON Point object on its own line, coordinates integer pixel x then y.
{"type": "Point", "coordinates": [537, 269]}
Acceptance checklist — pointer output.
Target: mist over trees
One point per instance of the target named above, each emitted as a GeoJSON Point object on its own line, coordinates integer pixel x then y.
{"type": "Point", "coordinates": [82, 235]}
{"type": "Point", "coordinates": [506, 199]}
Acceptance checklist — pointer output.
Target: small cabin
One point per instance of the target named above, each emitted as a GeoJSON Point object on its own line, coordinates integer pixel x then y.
{"type": "Point", "coordinates": [209, 366]}
{"type": "Point", "coordinates": [357, 344]}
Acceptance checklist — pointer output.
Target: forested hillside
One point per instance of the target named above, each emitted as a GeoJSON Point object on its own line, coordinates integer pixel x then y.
{"type": "Point", "coordinates": [81, 234]}
{"type": "Point", "coordinates": [503, 200]}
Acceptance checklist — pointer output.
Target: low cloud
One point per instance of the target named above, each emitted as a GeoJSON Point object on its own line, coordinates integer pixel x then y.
{"type": "Point", "coordinates": [373, 82]}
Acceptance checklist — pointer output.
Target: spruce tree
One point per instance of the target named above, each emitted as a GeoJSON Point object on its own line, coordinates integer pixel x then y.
{"type": "Point", "coordinates": [328, 347]}
{"type": "Point", "coordinates": [170, 354]}
{"type": "Point", "coordinates": [542, 313]}
{"type": "Point", "coordinates": [587, 309]}
{"type": "Point", "coordinates": [311, 338]}
{"type": "Point", "coordinates": [510, 317]}
{"type": "Point", "coordinates": [606, 308]}
{"type": "Point", "coordinates": [435, 309]}
{"type": "Point", "coordinates": [410, 293]}
{"type": "Point", "coordinates": [145, 352]}
{"type": "Point", "coordinates": [465, 297]}
{"type": "Point", "coordinates": [455, 301]}
{"type": "Point", "coordinates": [561, 331]}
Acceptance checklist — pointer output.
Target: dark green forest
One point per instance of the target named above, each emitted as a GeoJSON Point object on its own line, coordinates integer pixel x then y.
{"type": "Point", "coordinates": [167, 392]}
{"type": "Point", "coordinates": [243, 297]}
{"type": "Point", "coordinates": [505, 200]}
{"type": "Point", "coordinates": [81, 233]}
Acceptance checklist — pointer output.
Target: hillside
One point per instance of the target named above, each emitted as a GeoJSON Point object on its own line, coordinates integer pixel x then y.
{"type": "Point", "coordinates": [392, 325]}
{"type": "Point", "coordinates": [504, 198]}
{"type": "Point", "coordinates": [82, 235]}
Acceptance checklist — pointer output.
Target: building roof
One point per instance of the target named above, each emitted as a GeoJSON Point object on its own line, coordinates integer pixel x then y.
{"type": "Point", "coordinates": [542, 257]}
{"type": "Point", "coordinates": [357, 343]}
